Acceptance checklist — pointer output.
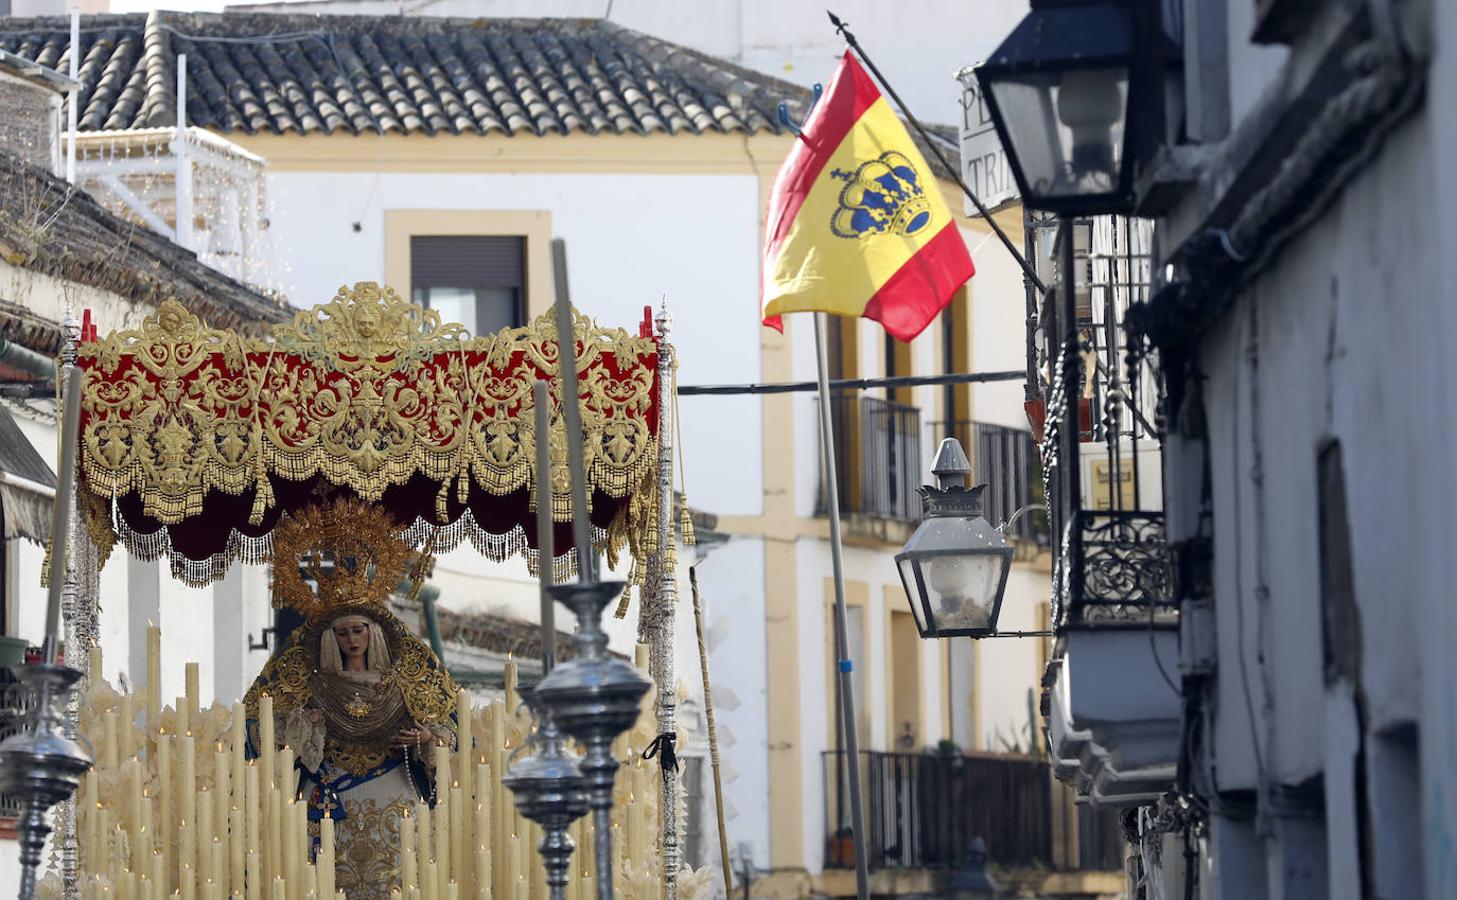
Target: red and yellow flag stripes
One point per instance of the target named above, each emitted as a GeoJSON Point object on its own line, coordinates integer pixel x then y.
{"type": "Point", "coordinates": [857, 225]}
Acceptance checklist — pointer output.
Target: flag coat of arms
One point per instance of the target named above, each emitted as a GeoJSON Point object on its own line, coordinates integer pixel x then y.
{"type": "Point", "coordinates": [857, 225]}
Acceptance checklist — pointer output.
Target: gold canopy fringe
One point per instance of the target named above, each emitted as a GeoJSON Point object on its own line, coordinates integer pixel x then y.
{"type": "Point", "coordinates": [366, 391]}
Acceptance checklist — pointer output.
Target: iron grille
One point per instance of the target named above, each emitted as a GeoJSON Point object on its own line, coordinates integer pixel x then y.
{"type": "Point", "coordinates": [923, 810]}
{"type": "Point", "coordinates": [877, 450]}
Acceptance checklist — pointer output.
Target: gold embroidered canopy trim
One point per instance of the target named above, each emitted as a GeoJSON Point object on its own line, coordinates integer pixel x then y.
{"type": "Point", "coordinates": [195, 440]}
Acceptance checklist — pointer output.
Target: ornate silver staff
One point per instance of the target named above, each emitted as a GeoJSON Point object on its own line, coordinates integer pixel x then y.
{"type": "Point", "coordinates": [549, 789]}
{"type": "Point", "coordinates": [658, 616]}
{"type": "Point", "coordinates": [593, 697]}
{"type": "Point", "coordinates": [42, 765]}
{"type": "Point", "coordinates": [547, 786]}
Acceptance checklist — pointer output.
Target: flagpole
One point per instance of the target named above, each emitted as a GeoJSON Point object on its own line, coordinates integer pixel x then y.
{"type": "Point", "coordinates": [842, 642]}
{"type": "Point", "coordinates": [1027, 270]}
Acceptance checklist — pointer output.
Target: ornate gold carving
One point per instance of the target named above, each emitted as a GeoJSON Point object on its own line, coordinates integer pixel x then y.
{"type": "Point", "coordinates": [429, 691]}
{"type": "Point", "coordinates": [351, 551]}
{"type": "Point", "coordinates": [366, 391]}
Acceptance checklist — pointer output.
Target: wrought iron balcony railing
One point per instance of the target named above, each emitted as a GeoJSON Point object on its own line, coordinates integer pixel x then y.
{"type": "Point", "coordinates": [1100, 450]}
{"type": "Point", "coordinates": [1114, 569]}
{"type": "Point", "coordinates": [877, 445]}
{"type": "Point", "coordinates": [923, 810]}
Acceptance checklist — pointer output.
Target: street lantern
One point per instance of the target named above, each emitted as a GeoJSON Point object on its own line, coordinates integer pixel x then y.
{"type": "Point", "coordinates": [954, 567]}
{"type": "Point", "coordinates": [1058, 91]}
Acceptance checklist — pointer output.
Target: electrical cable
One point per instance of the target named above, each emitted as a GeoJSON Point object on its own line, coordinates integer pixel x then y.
{"type": "Point", "coordinates": [843, 384]}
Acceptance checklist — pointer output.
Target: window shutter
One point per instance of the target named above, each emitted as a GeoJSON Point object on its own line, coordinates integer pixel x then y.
{"type": "Point", "coordinates": [466, 262]}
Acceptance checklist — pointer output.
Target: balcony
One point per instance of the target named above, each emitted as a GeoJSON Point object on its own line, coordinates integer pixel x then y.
{"type": "Point", "coordinates": [877, 448]}
{"type": "Point", "coordinates": [148, 176]}
{"type": "Point", "coordinates": [1112, 704]}
{"type": "Point", "coordinates": [923, 810]}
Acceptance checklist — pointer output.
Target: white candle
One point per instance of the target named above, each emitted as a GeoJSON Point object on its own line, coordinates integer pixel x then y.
{"type": "Point", "coordinates": [154, 682]}
{"type": "Point", "coordinates": [254, 881]}
{"type": "Point", "coordinates": [236, 853]}
{"type": "Point", "coordinates": [326, 857]}
{"type": "Point", "coordinates": [108, 740]}
{"type": "Point", "coordinates": [193, 695]}
{"type": "Point", "coordinates": [202, 863]}
{"type": "Point", "coordinates": [222, 793]}
{"type": "Point", "coordinates": [407, 852]}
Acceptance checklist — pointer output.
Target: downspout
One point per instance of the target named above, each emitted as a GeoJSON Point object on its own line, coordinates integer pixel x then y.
{"type": "Point", "coordinates": [428, 595]}
{"type": "Point", "coordinates": [27, 360]}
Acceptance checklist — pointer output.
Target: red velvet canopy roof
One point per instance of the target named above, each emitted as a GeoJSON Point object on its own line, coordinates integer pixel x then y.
{"type": "Point", "coordinates": [204, 438]}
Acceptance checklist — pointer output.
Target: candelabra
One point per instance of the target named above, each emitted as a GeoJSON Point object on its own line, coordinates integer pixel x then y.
{"type": "Point", "coordinates": [42, 765]}
{"type": "Point", "coordinates": [549, 789]}
{"type": "Point", "coordinates": [594, 697]}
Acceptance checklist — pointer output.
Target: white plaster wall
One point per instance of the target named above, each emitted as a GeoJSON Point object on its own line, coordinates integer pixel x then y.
{"type": "Point", "coordinates": [1437, 614]}
{"type": "Point", "coordinates": [629, 243]}
{"type": "Point", "coordinates": [1252, 67]}
{"type": "Point", "coordinates": [1355, 323]}
{"type": "Point", "coordinates": [731, 582]}
{"type": "Point", "coordinates": [998, 314]}
{"type": "Point", "coordinates": [1008, 667]}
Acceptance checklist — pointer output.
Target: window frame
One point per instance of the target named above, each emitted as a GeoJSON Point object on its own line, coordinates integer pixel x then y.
{"type": "Point", "coordinates": [533, 226]}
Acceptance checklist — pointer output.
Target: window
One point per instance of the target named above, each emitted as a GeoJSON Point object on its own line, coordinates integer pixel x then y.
{"type": "Point", "coordinates": [476, 281]}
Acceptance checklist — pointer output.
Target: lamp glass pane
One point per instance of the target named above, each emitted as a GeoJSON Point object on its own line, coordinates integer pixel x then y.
{"type": "Point", "coordinates": [961, 588]}
{"type": "Point", "coordinates": [1066, 128]}
{"type": "Point", "coordinates": [907, 567]}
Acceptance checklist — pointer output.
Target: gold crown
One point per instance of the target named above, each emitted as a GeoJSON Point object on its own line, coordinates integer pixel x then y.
{"type": "Point", "coordinates": [351, 550]}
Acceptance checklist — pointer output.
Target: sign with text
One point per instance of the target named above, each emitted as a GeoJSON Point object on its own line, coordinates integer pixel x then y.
{"type": "Point", "coordinates": [983, 161]}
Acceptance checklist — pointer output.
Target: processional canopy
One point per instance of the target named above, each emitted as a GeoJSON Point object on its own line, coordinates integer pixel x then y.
{"type": "Point", "coordinates": [195, 441]}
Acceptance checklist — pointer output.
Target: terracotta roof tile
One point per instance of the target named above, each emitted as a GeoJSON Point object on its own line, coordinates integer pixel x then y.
{"type": "Point", "coordinates": [263, 72]}
{"type": "Point", "coordinates": [253, 72]}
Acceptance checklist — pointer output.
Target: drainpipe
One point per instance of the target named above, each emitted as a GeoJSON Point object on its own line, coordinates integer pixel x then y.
{"type": "Point", "coordinates": [428, 595]}
{"type": "Point", "coordinates": [27, 360]}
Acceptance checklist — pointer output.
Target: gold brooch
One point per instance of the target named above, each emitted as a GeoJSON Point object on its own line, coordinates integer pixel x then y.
{"type": "Point", "coordinates": [358, 707]}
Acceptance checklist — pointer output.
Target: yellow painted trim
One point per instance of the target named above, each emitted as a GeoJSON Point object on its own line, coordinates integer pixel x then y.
{"type": "Point", "coordinates": [857, 593]}
{"type": "Point", "coordinates": [944, 649]}
{"type": "Point", "coordinates": [781, 647]}
{"type": "Point", "coordinates": [891, 688]}
{"type": "Point", "coordinates": [893, 597]}
{"type": "Point", "coordinates": [535, 225]}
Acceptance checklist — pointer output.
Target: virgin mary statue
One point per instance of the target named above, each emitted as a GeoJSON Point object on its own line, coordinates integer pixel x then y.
{"type": "Point", "coordinates": [357, 696]}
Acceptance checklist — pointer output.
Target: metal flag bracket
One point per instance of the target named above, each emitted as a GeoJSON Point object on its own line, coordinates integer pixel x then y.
{"type": "Point", "coordinates": [787, 120]}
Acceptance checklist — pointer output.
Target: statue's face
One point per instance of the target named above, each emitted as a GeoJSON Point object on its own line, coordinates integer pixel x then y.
{"type": "Point", "coordinates": [353, 640]}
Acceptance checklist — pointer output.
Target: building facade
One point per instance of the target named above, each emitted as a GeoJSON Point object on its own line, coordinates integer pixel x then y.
{"type": "Point", "coordinates": [442, 159]}
{"type": "Point", "coordinates": [1285, 718]}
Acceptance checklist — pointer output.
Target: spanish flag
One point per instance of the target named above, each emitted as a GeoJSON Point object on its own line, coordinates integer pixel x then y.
{"type": "Point", "coordinates": [857, 225]}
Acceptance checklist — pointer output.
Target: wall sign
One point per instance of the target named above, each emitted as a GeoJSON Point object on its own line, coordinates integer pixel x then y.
{"type": "Point", "coordinates": [983, 161]}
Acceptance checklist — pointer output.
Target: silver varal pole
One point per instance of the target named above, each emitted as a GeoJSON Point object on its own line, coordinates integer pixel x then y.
{"type": "Point", "coordinates": [661, 612]}
{"type": "Point", "coordinates": [81, 619]}
{"type": "Point", "coordinates": [842, 642]}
